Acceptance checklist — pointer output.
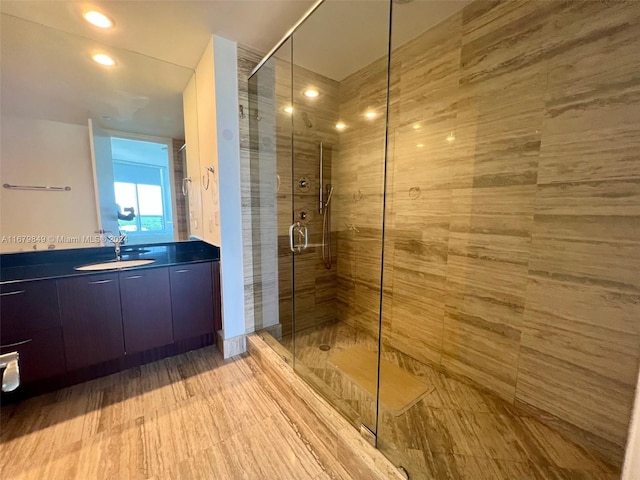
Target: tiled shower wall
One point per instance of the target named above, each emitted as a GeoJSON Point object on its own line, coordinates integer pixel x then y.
{"type": "Point", "coordinates": [513, 203]}
{"type": "Point", "coordinates": [313, 122]}
{"type": "Point", "coordinates": [248, 58]}
{"type": "Point", "coordinates": [269, 196]}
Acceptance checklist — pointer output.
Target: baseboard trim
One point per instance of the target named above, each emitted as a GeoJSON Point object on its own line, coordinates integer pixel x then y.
{"type": "Point", "coordinates": [230, 347]}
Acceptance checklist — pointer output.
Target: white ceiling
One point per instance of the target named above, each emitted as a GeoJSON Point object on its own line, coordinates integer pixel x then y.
{"type": "Point", "coordinates": [46, 45]}
{"type": "Point", "coordinates": [46, 72]}
{"type": "Point", "coordinates": [342, 36]}
{"type": "Point", "coordinates": [176, 31]}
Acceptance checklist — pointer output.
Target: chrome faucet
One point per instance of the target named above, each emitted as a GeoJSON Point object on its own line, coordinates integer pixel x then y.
{"type": "Point", "coordinates": [117, 242]}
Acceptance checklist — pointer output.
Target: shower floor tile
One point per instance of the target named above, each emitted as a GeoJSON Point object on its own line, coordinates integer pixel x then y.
{"type": "Point", "coordinates": [455, 432]}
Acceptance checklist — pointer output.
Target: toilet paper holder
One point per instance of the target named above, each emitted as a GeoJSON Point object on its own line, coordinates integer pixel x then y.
{"type": "Point", "coordinates": [11, 373]}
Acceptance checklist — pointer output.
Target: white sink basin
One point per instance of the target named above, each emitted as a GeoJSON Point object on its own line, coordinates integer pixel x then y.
{"type": "Point", "coordinates": [112, 265]}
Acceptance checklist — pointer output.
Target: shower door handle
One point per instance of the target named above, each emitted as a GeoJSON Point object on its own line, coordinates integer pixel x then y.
{"type": "Point", "coordinates": [291, 247]}
{"type": "Point", "coordinates": [301, 240]}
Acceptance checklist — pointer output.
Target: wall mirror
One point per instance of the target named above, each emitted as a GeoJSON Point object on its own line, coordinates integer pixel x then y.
{"type": "Point", "coordinates": [92, 140]}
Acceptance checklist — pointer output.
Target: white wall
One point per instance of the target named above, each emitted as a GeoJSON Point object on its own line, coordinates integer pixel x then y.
{"type": "Point", "coordinates": [228, 134]}
{"type": "Point", "coordinates": [42, 152]}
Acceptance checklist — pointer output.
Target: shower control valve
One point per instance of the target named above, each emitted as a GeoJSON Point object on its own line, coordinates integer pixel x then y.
{"type": "Point", "coordinates": [303, 184]}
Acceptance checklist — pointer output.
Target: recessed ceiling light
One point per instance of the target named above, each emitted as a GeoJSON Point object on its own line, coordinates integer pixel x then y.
{"type": "Point", "coordinates": [311, 93]}
{"type": "Point", "coordinates": [370, 114]}
{"type": "Point", "coordinates": [340, 126]}
{"type": "Point", "coordinates": [420, 145]}
{"type": "Point", "coordinates": [451, 137]}
{"type": "Point", "coordinates": [104, 59]}
{"type": "Point", "coordinates": [288, 109]}
{"type": "Point", "coordinates": [416, 126]}
{"type": "Point", "coordinates": [98, 19]}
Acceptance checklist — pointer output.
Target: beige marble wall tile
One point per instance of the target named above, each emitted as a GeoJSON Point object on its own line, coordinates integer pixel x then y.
{"type": "Point", "coordinates": [247, 59]}
{"type": "Point", "coordinates": [357, 175]}
{"type": "Point", "coordinates": [179, 168]}
{"type": "Point", "coordinates": [504, 42]}
{"type": "Point", "coordinates": [582, 293]}
{"type": "Point", "coordinates": [292, 151]}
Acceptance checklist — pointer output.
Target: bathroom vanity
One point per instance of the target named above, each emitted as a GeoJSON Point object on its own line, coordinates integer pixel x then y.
{"type": "Point", "coordinates": [70, 325]}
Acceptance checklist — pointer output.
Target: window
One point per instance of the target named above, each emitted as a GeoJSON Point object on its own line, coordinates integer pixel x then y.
{"type": "Point", "coordinates": [142, 185]}
{"type": "Point", "coordinates": [147, 202]}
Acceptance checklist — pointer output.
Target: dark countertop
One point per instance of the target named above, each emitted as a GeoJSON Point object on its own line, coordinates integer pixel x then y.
{"type": "Point", "coordinates": [21, 267]}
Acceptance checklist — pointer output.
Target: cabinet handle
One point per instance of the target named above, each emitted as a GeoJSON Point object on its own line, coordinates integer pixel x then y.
{"type": "Point", "coordinates": [16, 344]}
{"type": "Point", "coordinates": [182, 271]}
{"type": "Point", "coordinates": [132, 277]}
{"type": "Point", "coordinates": [100, 281]}
{"type": "Point", "coordinates": [17, 292]}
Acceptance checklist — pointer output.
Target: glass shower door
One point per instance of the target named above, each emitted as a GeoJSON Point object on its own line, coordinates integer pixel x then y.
{"type": "Point", "coordinates": [271, 190]}
{"type": "Point", "coordinates": [338, 197]}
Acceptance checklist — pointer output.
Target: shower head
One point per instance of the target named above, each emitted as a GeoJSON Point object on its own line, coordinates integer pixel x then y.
{"type": "Point", "coordinates": [307, 122]}
{"type": "Point", "coordinates": [330, 190]}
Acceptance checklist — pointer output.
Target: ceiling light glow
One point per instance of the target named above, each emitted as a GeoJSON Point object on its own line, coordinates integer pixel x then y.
{"type": "Point", "coordinates": [98, 19]}
{"type": "Point", "coordinates": [420, 145]}
{"type": "Point", "coordinates": [451, 137]}
{"type": "Point", "coordinates": [104, 59]}
{"type": "Point", "coordinates": [288, 109]}
{"type": "Point", "coordinates": [340, 126]}
{"type": "Point", "coordinates": [370, 114]}
{"type": "Point", "coordinates": [311, 93]}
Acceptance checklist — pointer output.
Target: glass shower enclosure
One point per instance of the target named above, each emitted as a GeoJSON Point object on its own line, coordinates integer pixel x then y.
{"type": "Point", "coordinates": [445, 220]}
{"type": "Point", "coordinates": [305, 121]}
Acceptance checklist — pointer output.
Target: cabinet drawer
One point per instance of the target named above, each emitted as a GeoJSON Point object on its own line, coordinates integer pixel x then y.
{"type": "Point", "coordinates": [27, 307]}
{"type": "Point", "coordinates": [41, 355]}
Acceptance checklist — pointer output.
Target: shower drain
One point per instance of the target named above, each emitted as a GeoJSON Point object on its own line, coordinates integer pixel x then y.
{"type": "Point", "coordinates": [403, 471]}
{"type": "Point", "coordinates": [324, 347]}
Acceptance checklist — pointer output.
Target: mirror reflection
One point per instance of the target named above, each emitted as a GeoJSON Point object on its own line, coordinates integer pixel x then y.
{"type": "Point", "coordinates": [98, 131]}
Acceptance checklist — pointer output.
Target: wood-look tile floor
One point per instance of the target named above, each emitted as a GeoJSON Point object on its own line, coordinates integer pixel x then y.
{"type": "Point", "coordinates": [194, 416]}
{"type": "Point", "coordinates": [456, 431]}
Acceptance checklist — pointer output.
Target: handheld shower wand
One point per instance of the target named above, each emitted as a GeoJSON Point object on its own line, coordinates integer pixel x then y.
{"type": "Point", "coordinates": [323, 209]}
{"type": "Point", "coordinates": [326, 230]}
{"type": "Point", "coordinates": [11, 374]}
{"type": "Point", "coordinates": [321, 188]}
